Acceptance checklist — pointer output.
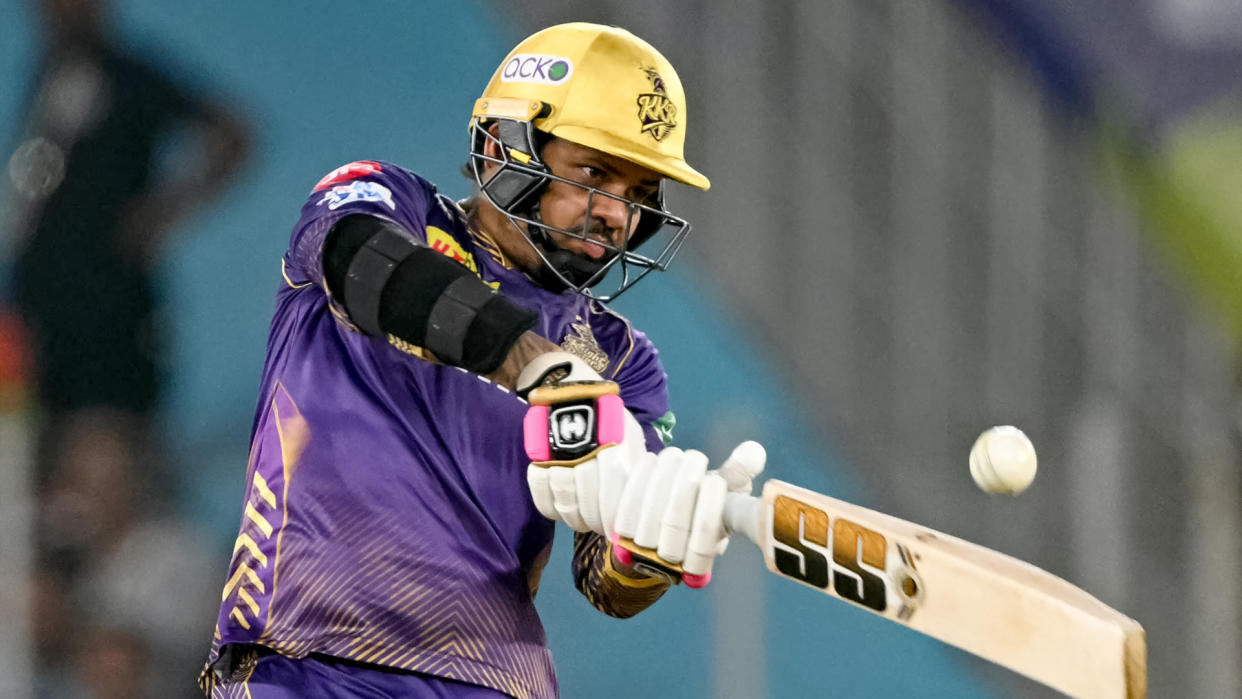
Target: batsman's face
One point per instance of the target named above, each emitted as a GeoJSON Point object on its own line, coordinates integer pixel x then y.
{"type": "Point", "coordinates": [598, 219]}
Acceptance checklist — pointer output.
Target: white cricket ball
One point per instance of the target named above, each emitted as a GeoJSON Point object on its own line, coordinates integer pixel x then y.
{"type": "Point", "coordinates": [1003, 460]}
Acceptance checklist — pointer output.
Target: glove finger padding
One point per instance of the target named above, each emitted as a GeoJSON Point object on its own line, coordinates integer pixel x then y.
{"type": "Point", "coordinates": [655, 500]}
{"type": "Point", "coordinates": [586, 480]}
{"type": "Point", "coordinates": [565, 495]}
{"type": "Point", "coordinates": [688, 502]}
{"type": "Point", "coordinates": [678, 513]}
{"type": "Point", "coordinates": [539, 482]}
{"type": "Point", "coordinates": [614, 468]}
{"type": "Point", "coordinates": [630, 507]}
{"type": "Point", "coordinates": [739, 471]}
{"type": "Point", "coordinates": [707, 530]}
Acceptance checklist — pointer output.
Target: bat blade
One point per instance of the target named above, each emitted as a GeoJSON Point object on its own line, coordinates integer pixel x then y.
{"type": "Point", "coordinates": [987, 603]}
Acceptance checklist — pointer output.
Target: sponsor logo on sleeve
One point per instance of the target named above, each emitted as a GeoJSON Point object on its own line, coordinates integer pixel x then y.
{"type": "Point", "coordinates": [343, 194]}
{"type": "Point", "coordinates": [345, 173]}
{"type": "Point", "coordinates": [439, 240]}
{"type": "Point", "coordinates": [536, 68]}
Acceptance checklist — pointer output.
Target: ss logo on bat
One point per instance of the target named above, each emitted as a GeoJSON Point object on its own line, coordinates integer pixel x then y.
{"type": "Point", "coordinates": [839, 555]}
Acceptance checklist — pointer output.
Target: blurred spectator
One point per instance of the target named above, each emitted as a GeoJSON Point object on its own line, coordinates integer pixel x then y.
{"type": "Point", "coordinates": [94, 206]}
{"type": "Point", "coordinates": [13, 361]}
{"type": "Point", "coordinates": [106, 664]}
{"type": "Point", "coordinates": [51, 615]}
{"type": "Point", "coordinates": [113, 153]}
{"type": "Point", "coordinates": [136, 570]}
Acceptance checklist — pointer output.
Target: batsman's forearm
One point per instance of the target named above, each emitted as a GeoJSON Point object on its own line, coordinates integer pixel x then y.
{"type": "Point", "coordinates": [528, 346]}
{"type": "Point", "coordinates": [393, 286]}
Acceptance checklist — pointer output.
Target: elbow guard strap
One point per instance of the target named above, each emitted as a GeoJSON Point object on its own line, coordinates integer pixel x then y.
{"type": "Point", "coordinates": [391, 285]}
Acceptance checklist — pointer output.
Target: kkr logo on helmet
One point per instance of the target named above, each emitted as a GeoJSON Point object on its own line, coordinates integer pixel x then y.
{"type": "Point", "coordinates": [656, 111]}
{"type": "Point", "coordinates": [536, 68]}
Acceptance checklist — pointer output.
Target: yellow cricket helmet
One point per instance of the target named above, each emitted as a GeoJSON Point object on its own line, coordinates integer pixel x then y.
{"type": "Point", "coordinates": [597, 86]}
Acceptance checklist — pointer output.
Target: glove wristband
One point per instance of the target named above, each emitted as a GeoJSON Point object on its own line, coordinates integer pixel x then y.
{"type": "Point", "coordinates": [567, 425]}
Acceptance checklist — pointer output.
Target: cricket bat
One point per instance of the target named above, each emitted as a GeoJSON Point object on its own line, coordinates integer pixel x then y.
{"type": "Point", "coordinates": [982, 601]}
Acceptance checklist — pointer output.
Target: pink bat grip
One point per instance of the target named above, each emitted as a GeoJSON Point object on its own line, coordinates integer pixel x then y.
{"type": "Point", "coordinates": [535, 433]}
{"type": "Point", "coordinates": [611, 416]}
{"type": "Point", "coordinates": [623, 554]}
{"type": "Point", "coordinates": [696, 581]}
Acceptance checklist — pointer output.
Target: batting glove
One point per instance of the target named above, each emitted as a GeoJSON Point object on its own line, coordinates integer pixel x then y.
{"type": "Point", "coordinates": [581, 440]}
{"type": "Point", "coordinates": [670, 517]}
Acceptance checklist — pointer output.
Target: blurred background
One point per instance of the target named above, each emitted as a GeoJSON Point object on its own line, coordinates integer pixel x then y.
{"type": "Point", "coordinates": [927, 218]}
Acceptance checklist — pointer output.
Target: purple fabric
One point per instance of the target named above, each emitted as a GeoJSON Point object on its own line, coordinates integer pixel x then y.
{"type": "Point", "coordinates": [387, 518]}
{"type": "Point", "coordinates": [318, 677]}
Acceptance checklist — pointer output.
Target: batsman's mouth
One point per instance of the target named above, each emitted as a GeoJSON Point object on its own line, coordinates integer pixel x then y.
{"type": "Point", "coordinates": [593, 246]}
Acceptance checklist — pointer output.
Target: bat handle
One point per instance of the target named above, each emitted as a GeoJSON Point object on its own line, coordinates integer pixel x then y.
{"type": "Point", "coordinates": [741, 514]}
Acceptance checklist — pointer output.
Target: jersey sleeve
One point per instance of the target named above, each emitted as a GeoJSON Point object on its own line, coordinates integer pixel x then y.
{"type": "Point", "coordinates": [606, 588]}
{"type": "Point", "coordinates": [362, 187]}
{"type": "Point", "coordinates": [644, 388]}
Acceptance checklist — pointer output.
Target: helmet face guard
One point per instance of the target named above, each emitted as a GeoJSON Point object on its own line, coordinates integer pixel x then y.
{"type": "Point", "coordinates": [522, 177]}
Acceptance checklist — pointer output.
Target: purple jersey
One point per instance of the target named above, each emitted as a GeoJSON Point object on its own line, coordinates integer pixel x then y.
{"type": "Point", "coordinates": [387, 518]}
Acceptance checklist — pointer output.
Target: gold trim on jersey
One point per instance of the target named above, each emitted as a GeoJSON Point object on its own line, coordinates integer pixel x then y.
{"type": "Point", "coordinates": [244, 541]}
{"type": "Point", "coordinates": [488, 245]}
{"type": "Point", "coordinates": [289, 281]}
{"type": "Point", "coordinates": [237, 616]}
{"type": "Point", "coordinates": [598, 309]}
{"type": "Point", "coordinates": [294, 434]}
{"type": "Point", "coordinates": [584, 345]}
{"type": "Point", "coordinates": [259, 520]}
{"type": "Point", "coordinates": [411, 349]}
{"type": "Point", "coordinates": [265, 492]}
{"type": "Point", "coordinates": [245, 597]}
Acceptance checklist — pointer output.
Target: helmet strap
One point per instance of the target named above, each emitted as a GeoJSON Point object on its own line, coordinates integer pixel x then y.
{"type": "Point", "coordinates": [572, 268]}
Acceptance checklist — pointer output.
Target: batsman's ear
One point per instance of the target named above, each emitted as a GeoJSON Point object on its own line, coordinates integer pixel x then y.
{"type": "Point", "coordinates": [492, 146]}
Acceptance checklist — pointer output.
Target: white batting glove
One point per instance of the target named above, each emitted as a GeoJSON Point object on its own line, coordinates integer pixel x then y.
{"type": "Point", "coordinates": [670, 518]}
{"type": "Point", "coordinates": [581, 440]}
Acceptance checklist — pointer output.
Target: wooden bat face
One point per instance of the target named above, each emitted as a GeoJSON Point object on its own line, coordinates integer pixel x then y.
{"type": "Point", "coordinates": [983, 601]}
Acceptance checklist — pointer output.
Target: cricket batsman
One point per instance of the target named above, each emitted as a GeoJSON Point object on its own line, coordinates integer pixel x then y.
{"type": "Point", "coordinates": [443, 380]}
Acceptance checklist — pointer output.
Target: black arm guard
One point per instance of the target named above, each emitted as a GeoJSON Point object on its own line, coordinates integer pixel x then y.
{"type": "Point", "coordinates": [391, 285]}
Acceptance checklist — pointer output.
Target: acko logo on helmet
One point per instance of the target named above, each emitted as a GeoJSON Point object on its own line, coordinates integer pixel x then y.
{"type": "Point", "coordinates": [656, 111]}
{"type": "Point", "coordinates": [537, 68]}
